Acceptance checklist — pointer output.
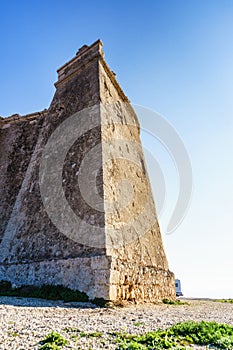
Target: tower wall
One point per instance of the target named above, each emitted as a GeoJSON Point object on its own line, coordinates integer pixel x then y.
{"type": "Point", "coordinates": [115, 250]}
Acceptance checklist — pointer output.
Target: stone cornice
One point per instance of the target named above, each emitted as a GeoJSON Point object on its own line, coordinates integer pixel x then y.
{"type": "Point", "coordinates": [85, 56]}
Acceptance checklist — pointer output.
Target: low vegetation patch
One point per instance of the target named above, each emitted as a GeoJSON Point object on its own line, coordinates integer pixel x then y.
{"type": "Point", "coordinates": [180, 336]}
{"type": "Point", "coordinates": [100, 302]}
{"type": "Point", "coordinates": [83, 334]}
{"type": "Point", "coordinates": [225, 300]}
{"type": "Point", "coordinates": [53, 341]}
{"type": "Point", "coordinates": [138, 324]}
{"type": "Point", "coordinates": [174, 302]}
{"type": "Point", "coordinates": [91, 334]}
{"type": "Point", "coordinates": [48, 292]}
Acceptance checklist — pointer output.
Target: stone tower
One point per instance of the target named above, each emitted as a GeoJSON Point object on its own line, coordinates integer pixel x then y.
{"type": "Point", "coordinates": [76, 206]}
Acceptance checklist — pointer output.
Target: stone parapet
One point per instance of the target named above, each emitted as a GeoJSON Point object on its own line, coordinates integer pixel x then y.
{"type": "Point", "coordinates": [15, 118]}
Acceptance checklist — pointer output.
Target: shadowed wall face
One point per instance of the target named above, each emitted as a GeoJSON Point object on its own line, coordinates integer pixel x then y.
{"type": "Point", "coordinates": [27, 233]}
{"type": "Point", "coordinates": [114, 250]}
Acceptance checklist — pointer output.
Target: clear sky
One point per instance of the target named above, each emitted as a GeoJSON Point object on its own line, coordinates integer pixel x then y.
{"type": "Point", "coordinates": [172, 56]}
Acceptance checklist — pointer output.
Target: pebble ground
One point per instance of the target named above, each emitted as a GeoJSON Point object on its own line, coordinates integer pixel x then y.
{"type": "Point", "coordinates": [26, 321]}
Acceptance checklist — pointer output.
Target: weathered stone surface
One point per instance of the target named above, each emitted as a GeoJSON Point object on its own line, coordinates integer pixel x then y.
{"type": "Point", "coordinates": [115, 250]}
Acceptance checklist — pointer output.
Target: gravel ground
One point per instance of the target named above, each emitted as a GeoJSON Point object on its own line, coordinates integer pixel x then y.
{"type": "Point", "coordinates": [25, 321]}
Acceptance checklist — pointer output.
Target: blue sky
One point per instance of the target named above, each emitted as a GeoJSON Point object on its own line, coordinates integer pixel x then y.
{"type": "Point", "coordinates": [172, 56]}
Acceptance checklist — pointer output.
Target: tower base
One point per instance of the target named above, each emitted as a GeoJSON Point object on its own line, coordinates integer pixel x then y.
{"type": "Point", "coordinates": [97, 276]}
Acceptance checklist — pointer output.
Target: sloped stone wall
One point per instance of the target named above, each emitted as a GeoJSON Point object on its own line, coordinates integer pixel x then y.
{"type": "Point", "coordinates": [130, 263]}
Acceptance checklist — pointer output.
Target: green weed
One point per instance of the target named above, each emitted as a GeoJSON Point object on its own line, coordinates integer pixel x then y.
{"type": "Point", "coordinates": [137, 324]}
{"type": "Point", "coordinates": [100, 302]}
{"type": "Point", "coordinates": [52, 341]}
{"type": "Point", "coordinates": [95, 335]}
{"type": "Point", "coordinates": [225, 300]}
{"type": "Point", "coordinates": [174, 302]}
{"type": "Point", "coordinates": [71, 329]}
{"type": "Point", "coordinates": [13, 334]}
{"type": "Point", "coordinates": [49, 346]}
{"type": "Point", "coordinates": [48, 292]}
{"type": "Point", "coordinates": [180, 336]}
{"type": "Point", "coordinates": [45, 292]}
